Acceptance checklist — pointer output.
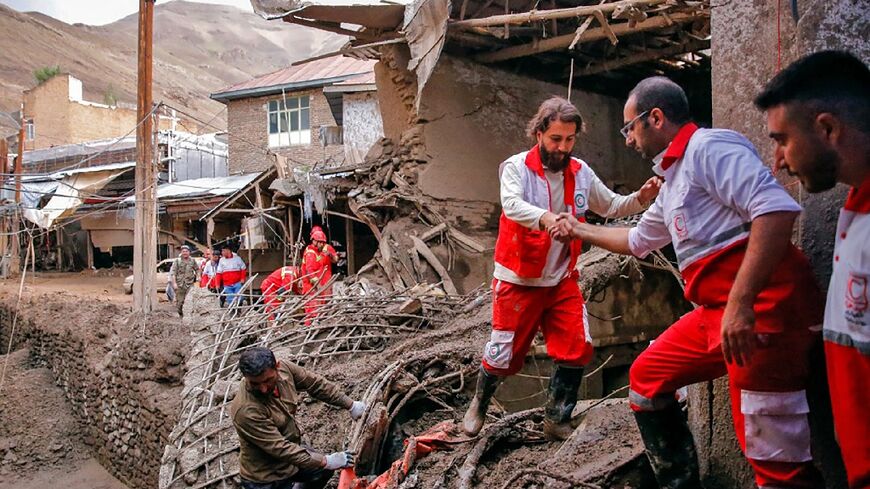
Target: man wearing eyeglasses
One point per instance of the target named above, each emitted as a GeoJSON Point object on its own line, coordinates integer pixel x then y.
{"type": "Point", "coordinates": [759, 307]}
{"type": "Point", "coordinates": [535, 281]}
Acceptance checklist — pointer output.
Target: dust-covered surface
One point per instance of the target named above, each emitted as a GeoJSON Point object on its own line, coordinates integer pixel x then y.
{"type": "Point", "coordinates": [40, 437]}
{"type": "Point", "coordinates": [120, 376]}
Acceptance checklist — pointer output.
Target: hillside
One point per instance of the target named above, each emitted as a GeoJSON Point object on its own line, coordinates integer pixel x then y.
{"type": "Point", "coordinates": [198, 49]}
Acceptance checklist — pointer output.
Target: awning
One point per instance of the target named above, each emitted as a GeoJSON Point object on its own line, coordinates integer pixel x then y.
{"type": "Point", "coordinates": [270, 173]}
{"type": "Point", "coordinates": [199, 187]}
{"type": "Point", "coordinates": [71, 191]}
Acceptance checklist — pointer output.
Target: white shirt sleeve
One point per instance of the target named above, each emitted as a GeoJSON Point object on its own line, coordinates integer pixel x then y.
{"type": "Point", "coordinates": [515, 208]}
{"type": "Point", "coordinates": [651, 233]}
{"type": "Point", "coordinates": [734, 175]}
{"type": "Point", "coordinates": [607, 203]}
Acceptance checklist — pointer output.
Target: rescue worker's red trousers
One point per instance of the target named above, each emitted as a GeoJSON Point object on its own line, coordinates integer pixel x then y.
{"type": "Point", "coordinates": [315, 303]}
{"type": "Point", "coordinates": [849, 382]}
{"type": "Point", "coordinates": [517, 313]}
{"type": "Point", "coordinates": [768, 396]}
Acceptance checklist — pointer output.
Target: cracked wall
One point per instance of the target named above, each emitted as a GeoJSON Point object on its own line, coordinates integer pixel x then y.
{"type": "Point", "coordinates": [474, 117]}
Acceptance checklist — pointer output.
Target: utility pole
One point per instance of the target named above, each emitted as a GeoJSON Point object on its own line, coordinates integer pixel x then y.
{"type": "Point", "coordinates": [145, 227]}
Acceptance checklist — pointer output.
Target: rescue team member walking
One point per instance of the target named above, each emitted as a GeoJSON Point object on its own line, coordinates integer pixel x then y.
{"type": "Point", "coordinates": [730, 223]}
{"type": "Point", "coordinates": [282, 281]}
{"type": "Point", "coordinates": [263, 413]}
{"type": "Point", "coordinates": [231, 274]}
{"type": "Point", "coordinates": [183, 274]}
{"type": "Point", "coordinates": [818, 114]}
{"type": "Point", "coordinates": [317, 261]}
{"type": "Point", "coordinates": [535, 282]}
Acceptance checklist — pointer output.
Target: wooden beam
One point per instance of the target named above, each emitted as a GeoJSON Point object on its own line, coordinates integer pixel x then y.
{"type": "Point", "coordinates": [595, 34]}
{"type": "Point", "coordinates": [329, 27]}
{"type": "Point", "coordinates": [430, 257]}
{"type": "Point", "coordinates": [651, 55]}
{"type": "Point", "coordinates": [562, 13]}
{"type": "Point", "coordinates": [607, 30]}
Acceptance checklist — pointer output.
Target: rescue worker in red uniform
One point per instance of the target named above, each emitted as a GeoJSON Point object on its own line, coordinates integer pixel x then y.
{"type": "Point", "coordinates": [317, 261]}
{"type": "Point", "coordinates": [818, 115]}
{"type": "Point", "coordinates": [284, 280]}
{"type": "Point", "coordinates": [759, 308]}
{"type": "Point", "coordinates": [535, 281]}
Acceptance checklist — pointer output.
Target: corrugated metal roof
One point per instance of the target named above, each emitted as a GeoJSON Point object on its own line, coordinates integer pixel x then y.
{"type": "Point", "coordinates": [364, 79]}
{"type": "Point", "coordinates": [218, 186]}
{"type": "Point", "coordinates": [319, 72]}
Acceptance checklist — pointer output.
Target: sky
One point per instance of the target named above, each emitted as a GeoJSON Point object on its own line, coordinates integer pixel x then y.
{"type": "Point", "coordinates": [96, 12]}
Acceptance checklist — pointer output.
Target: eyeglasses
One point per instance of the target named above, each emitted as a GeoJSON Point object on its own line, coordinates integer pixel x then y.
{"type": "Point", "coordinates": [628, 127]}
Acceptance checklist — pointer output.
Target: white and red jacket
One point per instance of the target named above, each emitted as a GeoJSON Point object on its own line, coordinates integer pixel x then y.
{"type": "Point", "coordinates": [715, 186]}
{"type": "Point", "coordinates": [231, 270]}
{"type": "Point", "coordinates": [524, 254]}
{"type": "Point", "coordinates": [847, 314]}
{"type": "Point", "coordinates": [208, 277]}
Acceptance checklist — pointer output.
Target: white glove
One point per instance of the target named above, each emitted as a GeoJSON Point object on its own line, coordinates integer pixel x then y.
{"type": "Point", "coordinates": [357, 409]}
{"type": "Point", "coordinates": [339, 460]}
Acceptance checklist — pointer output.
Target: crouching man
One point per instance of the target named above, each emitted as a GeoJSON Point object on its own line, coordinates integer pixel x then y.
{"type": "Point", "coordinates": [264, 413]}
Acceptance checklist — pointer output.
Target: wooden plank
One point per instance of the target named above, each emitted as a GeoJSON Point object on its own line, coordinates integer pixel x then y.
{"type": "Point", "coordinates": [430, 257]}
{"type": "Point", "coordinates": [431, 233]}
{"type": "Point", "coordinates": [466, 241]}
{"type": "Point", "coordinates": [562, 13]}
{"type": "Point", "coordinates": [561, 42]}
{"type": "Point", "coordinates": [642, 57]}
{"type": "Point", "coordinates": [607, 30]}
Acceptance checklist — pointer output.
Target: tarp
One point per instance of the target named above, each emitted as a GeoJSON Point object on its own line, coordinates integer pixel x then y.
{"type": "Point", "coordinates": [71, 191]}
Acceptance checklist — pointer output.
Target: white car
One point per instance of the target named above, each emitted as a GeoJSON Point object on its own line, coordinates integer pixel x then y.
{"type": "Point", "coordinates": [162, 277]}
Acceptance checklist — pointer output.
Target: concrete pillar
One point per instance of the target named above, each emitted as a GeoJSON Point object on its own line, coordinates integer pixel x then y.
{"type": "Point", "coordinates": [750, 40]}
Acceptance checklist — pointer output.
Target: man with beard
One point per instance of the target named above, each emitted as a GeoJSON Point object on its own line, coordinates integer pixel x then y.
{"type": "Point", "coordinates": [535, 281]}
{"type": "Point", "coordinates": [818, 114]}
{"type": "Point", "coordinates": [271, 455]}
{"type": "Point", "coordinates": [759, 307]}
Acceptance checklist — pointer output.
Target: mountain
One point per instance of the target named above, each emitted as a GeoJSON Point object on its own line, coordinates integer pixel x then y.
{"type": "Point", "coordinates": [198, 49]}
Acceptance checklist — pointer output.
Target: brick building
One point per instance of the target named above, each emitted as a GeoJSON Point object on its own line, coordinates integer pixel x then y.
{"type": "Point", "coordinates": [301, 112]}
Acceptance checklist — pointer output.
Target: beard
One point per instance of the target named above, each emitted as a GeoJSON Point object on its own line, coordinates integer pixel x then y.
{"type": "Point", "coordinates": [555, 162]}
{"type": "Point", "coordinates": [821, 172]}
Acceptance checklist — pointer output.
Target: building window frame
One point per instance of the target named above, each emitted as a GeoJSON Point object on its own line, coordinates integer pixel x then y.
{"type": "Point", "coordinates": [29, 130]}
{"type": "Point", "coordinates": [288, 121]}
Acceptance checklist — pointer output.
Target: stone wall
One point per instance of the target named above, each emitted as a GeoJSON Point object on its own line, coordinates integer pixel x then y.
{"type": "Point", "coordinates": [247, 123]}
{"type": "Point", "coordinates": [745, 51]}
{"type": "Point", "coordinates": [123, 390]}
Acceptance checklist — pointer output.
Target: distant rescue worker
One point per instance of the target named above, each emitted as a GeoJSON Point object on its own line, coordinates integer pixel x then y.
{"type": "Point", "coordinates": [535, 281]}
{"type": "Point", "coordinates": [284, 280]}
{"type": "Point", "coordinates": [271, 452]}
{"type": "Point", "coordinates": [231, 274]}
{"type": "Point", "coordinates": [183, 275]}
{"type": "Point", "coordinates": [818, 115]}
{"type": "Point", "coordinates": [317, 261]}
{"type": "Point", "coordinates": [759, 307]}
{"type": "Point", "coordinates": [209, 271]}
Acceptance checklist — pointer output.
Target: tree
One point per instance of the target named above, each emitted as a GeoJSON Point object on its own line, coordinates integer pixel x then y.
{"type": "Point", "coordinates": [109, 96]}
{"type": "Point", "coordinates": [45, 73]}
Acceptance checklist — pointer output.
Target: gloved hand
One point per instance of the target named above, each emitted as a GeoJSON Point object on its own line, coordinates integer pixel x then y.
{"type": "Point", "coordinates": [339, 460]}
{"type": "Point", "coordinates": [324, 247]}
{"type": "Point", "coordinates": [357, 409]}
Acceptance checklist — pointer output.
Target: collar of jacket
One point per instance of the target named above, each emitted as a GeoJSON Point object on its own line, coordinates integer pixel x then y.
{"type": "Point", "coordinates": [533, 161]}
{"type": "Point", "coordinates": [677, 148]}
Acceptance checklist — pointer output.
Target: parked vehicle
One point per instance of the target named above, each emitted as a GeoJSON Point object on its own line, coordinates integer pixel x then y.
{"type": "Point", "coordinates": [162, 277]}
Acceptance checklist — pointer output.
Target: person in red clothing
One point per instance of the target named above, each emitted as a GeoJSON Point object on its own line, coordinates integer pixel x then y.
{"type": "Point", "coordinates": [284, 280]}
{"type": "Point", "coordinates": [208, 271]}
{"type": "Point", "coordinates": [759, 307]}
{"type": "Point", "coordinates": [231, 274]}
{"type": "Point", "coordinates": [818, 115]}
{"type": "Point", "coordinates": [317, 261]}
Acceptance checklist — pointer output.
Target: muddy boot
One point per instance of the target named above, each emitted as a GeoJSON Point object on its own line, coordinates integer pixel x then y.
{"type": "Point", "coordinates": [476, 414]}
{"type": "Point", "coordinates": [669, 447]}
{"type": "Point", "coordinates": [562, 399]}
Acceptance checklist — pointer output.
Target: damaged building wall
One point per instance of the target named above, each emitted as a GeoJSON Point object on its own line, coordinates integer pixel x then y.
{"type": "Point", "coordinates": [247, 124]}
{"type": "Point", "coordinates": [745, 58]}
{"type": "Point", "coordinates": [362, 125]}
{"type": "Point", "coordinates": [475, 117]}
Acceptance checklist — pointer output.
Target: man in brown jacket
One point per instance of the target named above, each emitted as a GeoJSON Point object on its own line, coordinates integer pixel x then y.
{"type": "Point", "coordinates": [263, 414]}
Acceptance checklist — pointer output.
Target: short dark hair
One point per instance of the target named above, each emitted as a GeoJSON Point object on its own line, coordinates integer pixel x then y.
{"type": "Point", "coordinates": [662, 93]}
{"type": "Point", "coordinates": [226, 247]}
{"type": "Point", "coordinates": [551, 109]}
{"type": "Point", "coordinates": [829, 81]}
{"type": "Point", "coordinates": [256, 360]}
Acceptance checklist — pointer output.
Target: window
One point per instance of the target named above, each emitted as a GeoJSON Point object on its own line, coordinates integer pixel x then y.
{"type": "Point", "coordinates": [29, 130]}
{"type": "Point", "coordinates": [289, 121]}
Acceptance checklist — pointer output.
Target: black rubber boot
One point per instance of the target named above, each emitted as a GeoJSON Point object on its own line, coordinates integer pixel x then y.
{"type": "Point", "coordinates": [562, 399]}
{"type": "Point", "coordinates": [669, 447]}
{"type": "Point", "coordinates": [476, 414]}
